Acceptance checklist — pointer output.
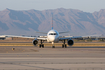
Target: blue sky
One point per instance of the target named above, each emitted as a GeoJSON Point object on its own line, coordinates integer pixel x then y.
{"type": "Point", "coordinates": [83, 5]}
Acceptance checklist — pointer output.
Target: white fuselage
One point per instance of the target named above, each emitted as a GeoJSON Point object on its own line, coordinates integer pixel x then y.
{"type": "Point", "coordinates": [53, 36]}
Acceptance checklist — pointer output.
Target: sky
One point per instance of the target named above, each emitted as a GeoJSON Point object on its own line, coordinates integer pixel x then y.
{"type": "Point", "coordinates": [83, 5]}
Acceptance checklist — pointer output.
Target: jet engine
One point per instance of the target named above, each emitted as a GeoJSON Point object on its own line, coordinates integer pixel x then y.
{"type": "Point", "coordinates": [70, 42]}
{"type": "Point", "coordinates": [35, 42]}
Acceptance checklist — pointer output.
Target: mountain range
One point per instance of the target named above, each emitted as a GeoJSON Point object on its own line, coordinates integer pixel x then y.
{"type": "Point", "coordinates": [26, 22]}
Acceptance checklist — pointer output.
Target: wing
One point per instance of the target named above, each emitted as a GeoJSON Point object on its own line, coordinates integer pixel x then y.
{"type": "Point", "coordinates": [76, 37]}
{"type": "Point", "coordinates": [38, 38]}
{"type": "Point", "coordinates": [18, 36]}
{"type": "Point", "coordinates": [41, 38]}
{"type": "Point", "coordinates": [70, 37]}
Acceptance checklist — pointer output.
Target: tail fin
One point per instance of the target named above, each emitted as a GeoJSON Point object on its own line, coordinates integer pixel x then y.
{"type": "Point", "coordinates": [52, 21]}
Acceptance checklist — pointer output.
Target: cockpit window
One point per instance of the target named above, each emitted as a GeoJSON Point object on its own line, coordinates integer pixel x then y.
{"type": "Point", "coordinates": [53, 34]}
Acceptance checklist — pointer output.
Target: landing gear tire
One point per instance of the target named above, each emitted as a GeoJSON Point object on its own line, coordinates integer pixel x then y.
{"type": "Point", "coordinates": [64, 46]}
{"type": "Point", "coordinates": [53, 46]}
{"type": "Point", "coordinates": [41, 45]}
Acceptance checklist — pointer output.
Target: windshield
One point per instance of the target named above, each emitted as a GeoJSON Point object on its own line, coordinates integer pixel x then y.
{"type": "Point", "coordinates": [53, 34]}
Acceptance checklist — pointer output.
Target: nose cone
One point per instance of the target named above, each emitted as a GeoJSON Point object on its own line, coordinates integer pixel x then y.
{"type": "Point", "coordinates": [52, 38]}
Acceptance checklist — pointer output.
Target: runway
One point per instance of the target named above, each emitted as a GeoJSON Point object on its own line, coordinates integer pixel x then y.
{"type": "Point", "coordinates": [34, 58]}
{"type": "Point", "coordinates": [52, 64]}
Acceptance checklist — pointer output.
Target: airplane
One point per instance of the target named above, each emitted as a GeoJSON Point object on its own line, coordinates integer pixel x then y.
{"type": "Point", "coordinates": [53, 37]}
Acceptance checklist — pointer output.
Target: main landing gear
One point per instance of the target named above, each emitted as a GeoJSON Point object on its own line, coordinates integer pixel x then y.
{"type": "Point", "coordinates": [64, 45]}
{"type": "Point", "coordinates": [41, 45]}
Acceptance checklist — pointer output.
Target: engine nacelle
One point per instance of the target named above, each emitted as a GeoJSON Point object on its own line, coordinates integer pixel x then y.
{"type": "Point", "coordinates": [70, 42]}
{"type": "Point", "coordinates": [35, 42]}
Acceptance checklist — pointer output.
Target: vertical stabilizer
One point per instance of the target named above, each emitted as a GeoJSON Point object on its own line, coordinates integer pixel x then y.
{"type": "Point", "coordinates": [52, 21]}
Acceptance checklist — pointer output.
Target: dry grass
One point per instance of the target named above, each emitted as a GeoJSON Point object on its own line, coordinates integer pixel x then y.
{"type": "Point", "coordinates": [28, 42]}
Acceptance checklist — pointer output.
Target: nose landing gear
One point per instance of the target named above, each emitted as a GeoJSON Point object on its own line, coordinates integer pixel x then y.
{"type": "Point", "coordinates": [53, 45]}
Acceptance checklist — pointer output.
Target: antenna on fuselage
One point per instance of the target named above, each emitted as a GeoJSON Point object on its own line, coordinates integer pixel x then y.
{"type": "Point", "coordinates": [52, 21]}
